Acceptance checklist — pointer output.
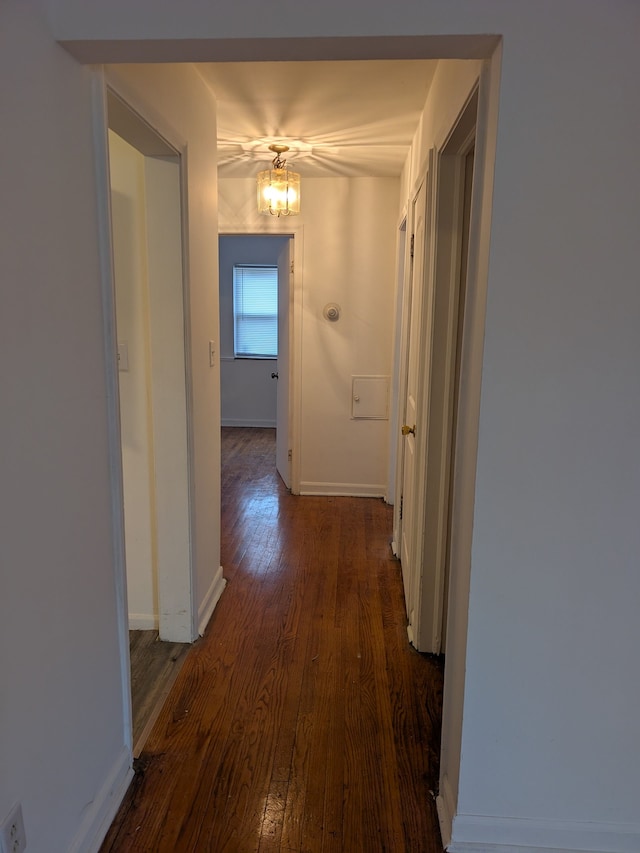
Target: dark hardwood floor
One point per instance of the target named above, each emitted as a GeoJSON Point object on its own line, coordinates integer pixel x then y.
{"type": "Point", "coordinates": [303, 720]}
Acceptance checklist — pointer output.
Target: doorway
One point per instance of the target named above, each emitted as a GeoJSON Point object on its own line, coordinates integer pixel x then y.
{"type": "Point", "coordinates": [146, 228]}
{"type": "Point", "coordinates": [255, 388]}
{"type": "Point", "coordinates": [486, 215]}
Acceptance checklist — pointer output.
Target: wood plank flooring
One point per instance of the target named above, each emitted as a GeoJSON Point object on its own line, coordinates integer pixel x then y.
{"type": "Point", "coordinates": [303, 720]}
{"type": "Point", "coordinates": [155, 665]}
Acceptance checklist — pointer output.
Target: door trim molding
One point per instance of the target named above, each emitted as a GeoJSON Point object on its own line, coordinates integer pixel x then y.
{"type": "Point", "coordinates": [107, 289]}
{"type": "Point", "coordinates": [467, 438]}
{"type": "Point", "coordinates": [101, 86]}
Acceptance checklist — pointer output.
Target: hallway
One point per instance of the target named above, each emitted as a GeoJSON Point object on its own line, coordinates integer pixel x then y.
{"type": "Point", "coordinates": [302, 720]}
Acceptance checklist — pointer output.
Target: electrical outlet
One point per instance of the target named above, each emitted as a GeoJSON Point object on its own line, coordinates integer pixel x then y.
{"type": "Point", "coordinates": [12, 835]}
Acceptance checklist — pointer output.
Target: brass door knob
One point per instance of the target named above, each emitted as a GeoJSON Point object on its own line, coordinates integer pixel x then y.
{"type": "Point", "coordinates": [407, 430]}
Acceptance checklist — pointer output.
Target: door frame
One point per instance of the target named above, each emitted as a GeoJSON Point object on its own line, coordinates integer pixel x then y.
{"type": "Point", "coordinates": [433, 452]}
{"type": "Point", "coordinates": [437, 391]}
{"type": "Point", "coordinates": [467, 439]}
{"type": "Point", "coordinates": [489, 47]}
{"type": "Point", "coordinates": [295, 235]}
{"type": "Point", "coordinates": [102, 87]}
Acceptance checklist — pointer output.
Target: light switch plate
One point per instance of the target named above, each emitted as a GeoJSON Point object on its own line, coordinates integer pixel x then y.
{"type": "Point", "coordinates": [212, 353]}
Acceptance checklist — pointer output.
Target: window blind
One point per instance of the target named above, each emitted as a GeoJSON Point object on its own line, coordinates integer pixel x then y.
{"type": "Point", "coordinates": [255, 311]}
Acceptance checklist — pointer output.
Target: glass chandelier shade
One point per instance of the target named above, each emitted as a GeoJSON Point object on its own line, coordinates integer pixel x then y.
{"type": "Point", "coordinates": [279, 187]}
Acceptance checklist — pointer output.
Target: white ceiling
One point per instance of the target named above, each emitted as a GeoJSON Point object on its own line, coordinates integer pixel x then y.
{"type": "Point", "coordinates": [346, 118]}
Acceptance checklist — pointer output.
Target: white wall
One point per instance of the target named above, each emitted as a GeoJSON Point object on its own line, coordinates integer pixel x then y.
{"type": "Point", "coordinates": [63, 745]}
{"type": "Point", "coordinates": [63, 748]}
{"type": "Point", "coordinates": [348, 228]}
{"type": "Point", "coordinates": [247, 391]}
{"type": "Point", "coordinates": [551, 732]}
{"type": "Point", "coordinates": [452, 82]}
{"type": "Point", "coordinates": [128, 216]}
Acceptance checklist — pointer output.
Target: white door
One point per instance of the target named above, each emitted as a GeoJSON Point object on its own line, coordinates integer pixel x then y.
{"type": "Point", "coordinates": [396, 442]}
{"type": "Point", "coordinates": [283, 446]}
{"type": "Point", "coordinates": [409, 552]}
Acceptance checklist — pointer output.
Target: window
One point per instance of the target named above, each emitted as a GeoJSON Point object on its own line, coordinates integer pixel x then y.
{"type": "Point", "coordinates": [255, 311]}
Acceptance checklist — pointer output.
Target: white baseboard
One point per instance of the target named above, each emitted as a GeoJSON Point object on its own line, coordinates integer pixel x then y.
{"type": "Point", "coordinates": [210, 600]}
{"type": "Point", "coordinates": [483, 834]}
{"type": "Point", "coordinates": [411, 635]}
{"type": "Point", "coordinates": [143, 622]}
{"type": "Point", "coordinates": [446, 806]}
{"type": "Point", "coordinates": [356, 490]}
{"type": "Point", "coordinates": [250, 422]}
{"type": "Point", "coordinates": [101, 811]}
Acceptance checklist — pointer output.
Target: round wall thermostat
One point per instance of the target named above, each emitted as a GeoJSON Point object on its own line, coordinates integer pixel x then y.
{"type": "Point", "coordinates": [331, 312]}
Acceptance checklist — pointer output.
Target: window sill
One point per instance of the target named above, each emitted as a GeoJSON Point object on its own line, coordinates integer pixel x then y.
{"type": "Point", "coordinates": [249, 358]}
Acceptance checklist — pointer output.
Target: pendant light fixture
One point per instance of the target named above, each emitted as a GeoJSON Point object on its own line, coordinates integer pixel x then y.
{"type": "Point", "coordinates": [279, 187]}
